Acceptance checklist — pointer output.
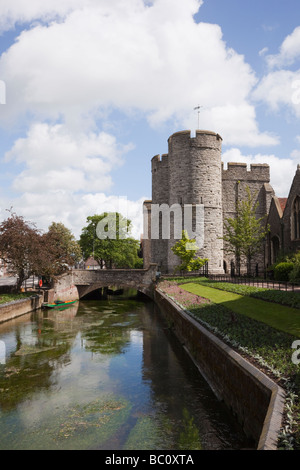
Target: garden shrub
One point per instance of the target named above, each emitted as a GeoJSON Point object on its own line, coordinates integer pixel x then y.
{"type": "Point", "coordinates": [282, 271]}
{"type": "Point", "coordinates": [294, 275]}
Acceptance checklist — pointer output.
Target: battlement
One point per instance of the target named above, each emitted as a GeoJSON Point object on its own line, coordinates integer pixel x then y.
{"type": "Point", "coordinates": [239, 171]}
{"type": "Point", "coordinates": [203, 138]}
{"type": "Point", "coordinates": [159, 161]}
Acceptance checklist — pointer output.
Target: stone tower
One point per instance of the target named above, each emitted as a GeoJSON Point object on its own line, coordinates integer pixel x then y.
{"type": "Point", "coordinates": [189, 180]}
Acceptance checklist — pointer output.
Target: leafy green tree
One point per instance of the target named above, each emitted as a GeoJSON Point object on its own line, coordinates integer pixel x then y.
{"type": "Point", "coordinates": [62, 248]}
{"type": "Point", "coordinates": [107, 239]}
{"type": "Point", "coordinates": [186, 250]}
{"type": "Point", "coordinates": [245, 233]}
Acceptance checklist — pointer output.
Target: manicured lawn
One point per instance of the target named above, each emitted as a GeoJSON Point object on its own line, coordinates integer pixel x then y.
{"type": "Point", "coordinates": [278, 316]}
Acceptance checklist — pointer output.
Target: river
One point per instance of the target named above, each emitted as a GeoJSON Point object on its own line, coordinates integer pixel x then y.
{"type": "Point", "coordinates": [106, 374]}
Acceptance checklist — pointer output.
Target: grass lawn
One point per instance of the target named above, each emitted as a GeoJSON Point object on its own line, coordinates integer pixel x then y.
{"type": "Point", "coordinates": [278, 316]}
{"type": "Point", "coordinates": [6, 298]}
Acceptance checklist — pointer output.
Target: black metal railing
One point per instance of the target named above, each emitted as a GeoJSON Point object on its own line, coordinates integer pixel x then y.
{"type": "Point", "coordinates": [256, 281]}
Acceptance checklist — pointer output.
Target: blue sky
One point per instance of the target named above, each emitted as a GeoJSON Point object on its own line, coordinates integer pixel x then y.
{"type": "Point", "coordinates": [94, 88]}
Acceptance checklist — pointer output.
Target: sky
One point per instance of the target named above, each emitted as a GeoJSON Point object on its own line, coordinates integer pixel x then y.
{"type": "Point", "coordinates": [91, 90]}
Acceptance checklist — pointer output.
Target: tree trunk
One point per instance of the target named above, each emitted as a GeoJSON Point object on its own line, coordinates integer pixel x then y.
{"type": "Point", "coordinates": [249, 265]}
{"type": "Point", "coordinates": [20, 281]}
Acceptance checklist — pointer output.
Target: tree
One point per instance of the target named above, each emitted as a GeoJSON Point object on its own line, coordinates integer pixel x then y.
{"type": "Point", "coordinates": [107, 239]}
{"type": "Point", "coordinates": [20, 243]}
{"type": "Point", "coordinates": [186, 250]}
{"type": "Point", "coordinates": [27, 251]}
{"type": "Point", "coordinates": [62, 249]}
{"type": "Point", "coordinates": [245, 233]}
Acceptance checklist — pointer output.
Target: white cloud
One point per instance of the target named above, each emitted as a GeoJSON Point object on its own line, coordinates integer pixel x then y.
{"type": "Point", "coordinates": [236, 124]}
{"type": "Point", "coordinates": [263, 51]}
{"type": "Point", "coordinates": [73, 209]}
{"type": "Point", "coordinates": [55, 158]}
{"type": "Point", "coordinates": [282, 171]}
{"type": "Point", "coordinates": [128, 55]}
{"type": "Point", "coordinates": [281, 87]}
{"type": "Point", "coordinates": [81, 59]}
{"type": "Point", "coordinates": [289, 51]}
{"type": "Point", "coordinates": [13, 12]}
{"type": "Point", "coordinates": [66, 176]}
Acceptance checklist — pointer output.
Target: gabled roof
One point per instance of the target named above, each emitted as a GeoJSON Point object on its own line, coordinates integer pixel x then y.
{"type": "Point", "coordinates": [282, 202]}
{"type": "Point", "coordinates": [277, 205]}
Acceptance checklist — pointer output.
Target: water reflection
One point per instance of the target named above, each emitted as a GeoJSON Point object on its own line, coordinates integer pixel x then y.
{"type": "Point", "coordinates": [105, 375]}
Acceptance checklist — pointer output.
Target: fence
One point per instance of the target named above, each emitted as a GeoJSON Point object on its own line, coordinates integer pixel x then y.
{"type": "Point", "coordinates": [202, 272]}
{"type": "Point", "coordinates": [253, 281]}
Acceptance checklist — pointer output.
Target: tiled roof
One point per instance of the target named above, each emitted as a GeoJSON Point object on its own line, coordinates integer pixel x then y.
{"type": "Point", "coordinates": [282, 202]}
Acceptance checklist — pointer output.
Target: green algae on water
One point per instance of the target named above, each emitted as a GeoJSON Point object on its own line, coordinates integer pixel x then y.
{"type": "Point", "coordinates": [78, 426]}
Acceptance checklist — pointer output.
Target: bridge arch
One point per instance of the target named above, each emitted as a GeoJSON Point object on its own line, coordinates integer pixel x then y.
{"type": "Point", "coordinates": [77, 283]}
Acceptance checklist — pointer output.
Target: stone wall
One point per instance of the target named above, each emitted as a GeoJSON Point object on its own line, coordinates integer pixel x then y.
{"type": "Point", "coordinates": [275, 236]}
{"type": "Point", "coordinates": [79, 282]}
{"type": "Point", "coordinates": [253, 398]}
{"type": "Point", "coordinates": [235, 181]}
{"type": "Point", "coordinates": [20, 307]}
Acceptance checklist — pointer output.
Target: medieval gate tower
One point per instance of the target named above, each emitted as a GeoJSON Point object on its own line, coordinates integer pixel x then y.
{"type": "Point", "coordinates": [191, 175]}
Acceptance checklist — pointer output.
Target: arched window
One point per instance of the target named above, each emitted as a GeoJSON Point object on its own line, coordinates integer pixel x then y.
{"type": "Point", "coordinates": [295, 219]}
{"type": "Point", "coordinates": [275, 248]}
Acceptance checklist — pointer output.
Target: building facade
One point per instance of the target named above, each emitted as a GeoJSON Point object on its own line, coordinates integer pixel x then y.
{"type": "Point", "coordinates": [192, 190]}
{"type": "Point", "coordinates": [284, 222]}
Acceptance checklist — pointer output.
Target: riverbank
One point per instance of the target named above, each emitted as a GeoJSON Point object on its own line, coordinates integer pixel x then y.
{"type": "Point", "coordinates": [7, 298]}
{"type": "Point", "coordinates": [20, 305]}
{"type": "Point", "coordinates": [268, 348]}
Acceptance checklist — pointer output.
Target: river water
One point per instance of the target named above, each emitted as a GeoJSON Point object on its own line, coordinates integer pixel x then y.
{"type": "Point", "coordinates": [105, 375]}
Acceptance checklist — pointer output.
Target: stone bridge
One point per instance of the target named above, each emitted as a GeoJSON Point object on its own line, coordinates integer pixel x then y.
{"type": "Point", "coordinates": [77, 283]}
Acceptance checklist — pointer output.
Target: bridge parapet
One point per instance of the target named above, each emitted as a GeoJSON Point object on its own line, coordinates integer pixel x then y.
{"type": "Point", "coordinates": [77, 283]}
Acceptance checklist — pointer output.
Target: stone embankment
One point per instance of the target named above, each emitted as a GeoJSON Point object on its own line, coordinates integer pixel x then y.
{"type": "Point", "coordinates": [20, 307]}
{"type": "Point", "coordinates": [255, 400]}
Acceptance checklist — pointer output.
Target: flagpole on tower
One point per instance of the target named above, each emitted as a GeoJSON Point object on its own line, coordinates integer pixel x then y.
{"type": "Point", "coordinates": [198, 108]}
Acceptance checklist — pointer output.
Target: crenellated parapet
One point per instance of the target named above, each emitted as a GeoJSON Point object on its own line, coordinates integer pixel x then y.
{"type": "Point", "coordinates": [239, 171]}
{"type": "Point", "coordinates": [160, 179]}
{"type": "Point", "coordinates": [159, 162]}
